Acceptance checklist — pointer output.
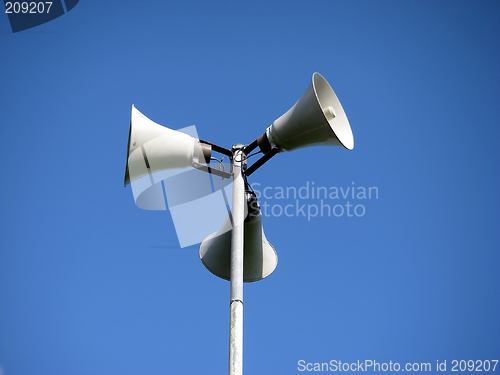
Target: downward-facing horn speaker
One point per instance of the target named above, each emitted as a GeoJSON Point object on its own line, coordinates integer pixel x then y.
{"type": "Point", "coordinates": [259, 256]}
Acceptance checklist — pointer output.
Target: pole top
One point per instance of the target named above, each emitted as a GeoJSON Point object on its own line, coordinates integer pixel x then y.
{"type": "Point", "coordinates": [237, 147]}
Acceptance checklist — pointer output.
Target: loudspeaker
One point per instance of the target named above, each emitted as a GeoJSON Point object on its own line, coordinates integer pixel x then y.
{"type": "Point", "coordinates": [316, 119]}
{"type": "Point", "coordinates": [153, 148]}
{"type": "Point", "coordinates": [259, 256]}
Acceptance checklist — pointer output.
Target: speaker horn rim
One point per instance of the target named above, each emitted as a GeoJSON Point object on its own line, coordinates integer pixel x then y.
{"type": "Point", "coordinates": [342, 125]}
{"type": "Point", "coordinates": [245, 280]}
{"type": "Point", "coordinates": [126, 180]}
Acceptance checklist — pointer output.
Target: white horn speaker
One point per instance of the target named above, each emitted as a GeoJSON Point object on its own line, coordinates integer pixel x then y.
{"type": "Point", "coordinates": [316, 119]}
{"type": "Point", "coordinates": [153, 148]}
{"type": "Point", "coordinates": [259, 256]}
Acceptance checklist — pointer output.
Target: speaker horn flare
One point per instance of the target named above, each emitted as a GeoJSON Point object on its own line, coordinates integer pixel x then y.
{"type": "Point", "coordinates": [153, 148]}
{"type": "Point", "coordinates": [259, 256]}
{"type": "Point", "coordinates": [317, 118]}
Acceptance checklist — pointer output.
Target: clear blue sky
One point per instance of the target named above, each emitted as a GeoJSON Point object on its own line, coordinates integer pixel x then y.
{"type": "Point", "coordinates": [91, 284]}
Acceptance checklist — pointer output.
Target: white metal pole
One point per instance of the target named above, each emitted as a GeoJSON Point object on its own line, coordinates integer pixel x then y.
{"type": "Point", "coordinates": [236, 278]}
